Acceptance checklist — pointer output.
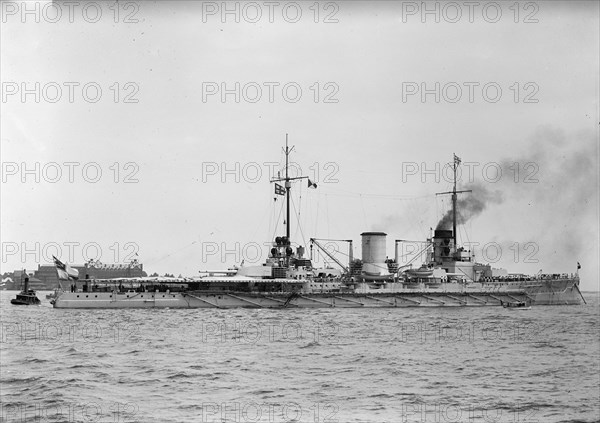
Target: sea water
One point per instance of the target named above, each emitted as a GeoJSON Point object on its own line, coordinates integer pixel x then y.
{"type": "Point", "coordinates": [453, 364]}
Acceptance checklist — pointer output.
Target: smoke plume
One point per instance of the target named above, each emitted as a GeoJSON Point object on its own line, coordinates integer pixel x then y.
{"type": "Point", "coordinates": [555, 191]}
{"type": "Point", "coordinates": [470, 204]}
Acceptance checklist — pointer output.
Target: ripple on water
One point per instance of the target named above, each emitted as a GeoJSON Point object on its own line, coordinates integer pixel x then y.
{"type": "Point", "coordinates": [362, 367]}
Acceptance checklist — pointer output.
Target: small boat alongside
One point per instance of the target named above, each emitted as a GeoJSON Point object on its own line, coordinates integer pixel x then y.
{"type": "Point", "coordinates": [53, 295]}
{"type": "Point", "coordinates": [516, 305]}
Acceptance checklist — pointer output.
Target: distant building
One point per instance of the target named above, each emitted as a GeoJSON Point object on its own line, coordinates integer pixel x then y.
{"type": "Point", "coordinates": [7, 283]}
{"type": "Point", "coordinates": [45, 277]}
{"type": "Point", "coordinates": [15, 281]}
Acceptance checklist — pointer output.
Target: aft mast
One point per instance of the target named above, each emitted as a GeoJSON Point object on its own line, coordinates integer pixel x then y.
{"type": "Point", "coordinates": [456, 163]}
{"type": "Point", "coordinates": [454, 192]}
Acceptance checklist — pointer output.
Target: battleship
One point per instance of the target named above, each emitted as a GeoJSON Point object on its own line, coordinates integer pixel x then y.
{"type": "Point", "coordinates": [449, 276]}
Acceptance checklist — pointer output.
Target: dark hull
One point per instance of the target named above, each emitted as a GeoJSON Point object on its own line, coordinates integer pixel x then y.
{"type": "Point", "coordinates": [26, 299]}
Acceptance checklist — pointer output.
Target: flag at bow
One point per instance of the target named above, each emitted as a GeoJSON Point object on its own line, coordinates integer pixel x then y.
{"type": "Point", "coordinates": [279, 190]}
{"type": "Point", "coordinates": [64, 271]}
{"type": "Point", "coordinates": [578, 266]}
{"type": "Point", "coordinates": [311, 184]}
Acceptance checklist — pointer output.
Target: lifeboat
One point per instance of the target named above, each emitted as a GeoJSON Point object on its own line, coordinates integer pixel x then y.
{"type": "Point", "coordinates": [421, 272]}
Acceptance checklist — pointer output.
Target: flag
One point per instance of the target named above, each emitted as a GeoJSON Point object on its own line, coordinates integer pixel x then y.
{"type": "Point", "coordinates": [578, 266]}
{"type": "Point", "coordinates": [279, 190]}
{"type": "Point", "coordinates": [73, 273]}
{"type": "Point", "coordinates": [311, 184]}
{"type": "Point", "coordinates": [61, 269]}
{"type": "Point", "coordinates": [456, 159]}
{"type": "Point", "coordinates": [64, 271]}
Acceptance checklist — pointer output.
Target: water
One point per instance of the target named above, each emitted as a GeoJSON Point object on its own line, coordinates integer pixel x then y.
{"type": "Point", "coordinates": [243, 365]}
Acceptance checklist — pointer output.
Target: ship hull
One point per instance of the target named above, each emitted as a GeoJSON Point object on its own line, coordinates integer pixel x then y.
{"type": "Point", "coordinates": [26, 298]}
{"type": "Point", "coordinates": [555, 292]}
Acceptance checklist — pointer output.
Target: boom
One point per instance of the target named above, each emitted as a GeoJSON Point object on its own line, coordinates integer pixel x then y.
{"type": "Point", "coordinates": [331, 256]}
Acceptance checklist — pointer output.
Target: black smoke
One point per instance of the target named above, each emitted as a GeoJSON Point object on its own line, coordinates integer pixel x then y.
{"type": "Point", "coordinates": [471, 204]}
{"type": "Point", "coordinates": [558, 178]}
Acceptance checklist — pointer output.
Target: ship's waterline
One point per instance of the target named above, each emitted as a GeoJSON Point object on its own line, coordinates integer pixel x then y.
{"type": "Point", "coordinates": [554, 292]}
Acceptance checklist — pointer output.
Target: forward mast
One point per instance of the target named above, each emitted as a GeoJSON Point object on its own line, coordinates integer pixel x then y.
{"type": "Point", "coordinates": [288, 185]}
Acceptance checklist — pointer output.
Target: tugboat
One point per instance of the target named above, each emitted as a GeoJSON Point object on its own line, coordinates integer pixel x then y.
{"type": "Point", "coordinates": [26, 296]}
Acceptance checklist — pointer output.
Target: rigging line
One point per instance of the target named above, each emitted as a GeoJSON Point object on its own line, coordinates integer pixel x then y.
{"type": "Point", "coordinates": [414, 206]}
{"type": "Point", "coordinates": [363, 210]}
{"type": "Point", "coordinates": [274, 217]}
{"type": "Point", "coordinates": [308, 212]}
{"type": "Point", "coordinates": [281, 161]}
{"type": "Point", "coordinates": [346, 255]}
{"type": "Point", "coordinates": [266, 216]}
{"type": "Point", "coordinates": [299, 199]}
{"type": "Point", "coordinates": [299, 225]}
{"type": "Point", "coordinates": [327, 215]}
{"type": "Point", "coordinates": [381, 196]}
{"type": "Point", "coordinates": [277, 222]}
{"type": "Point", "coordinates": [391, 196]}
{"type": "Point", "coordinates": [317, 214]}
{"type": "Point", "coordinates": [419, 254]}
{"type": "Point", "coordinates": [343, 254]}
{"type": "Point", "coordinates": [171, 253]}
{"type": "Point", "coordinates": [467, 276]}
{"type": "Point", "coordinates": [271, 216]}
{"type": "Point", "coordinates": [466, 233]}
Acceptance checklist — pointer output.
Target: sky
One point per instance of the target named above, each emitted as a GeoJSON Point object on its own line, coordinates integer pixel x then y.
{"type": "Point", "coordinates": [151, 130]}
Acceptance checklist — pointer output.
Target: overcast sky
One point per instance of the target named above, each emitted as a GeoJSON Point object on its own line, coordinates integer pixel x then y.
{"type": "Point", "coordinates": [185, 166]}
